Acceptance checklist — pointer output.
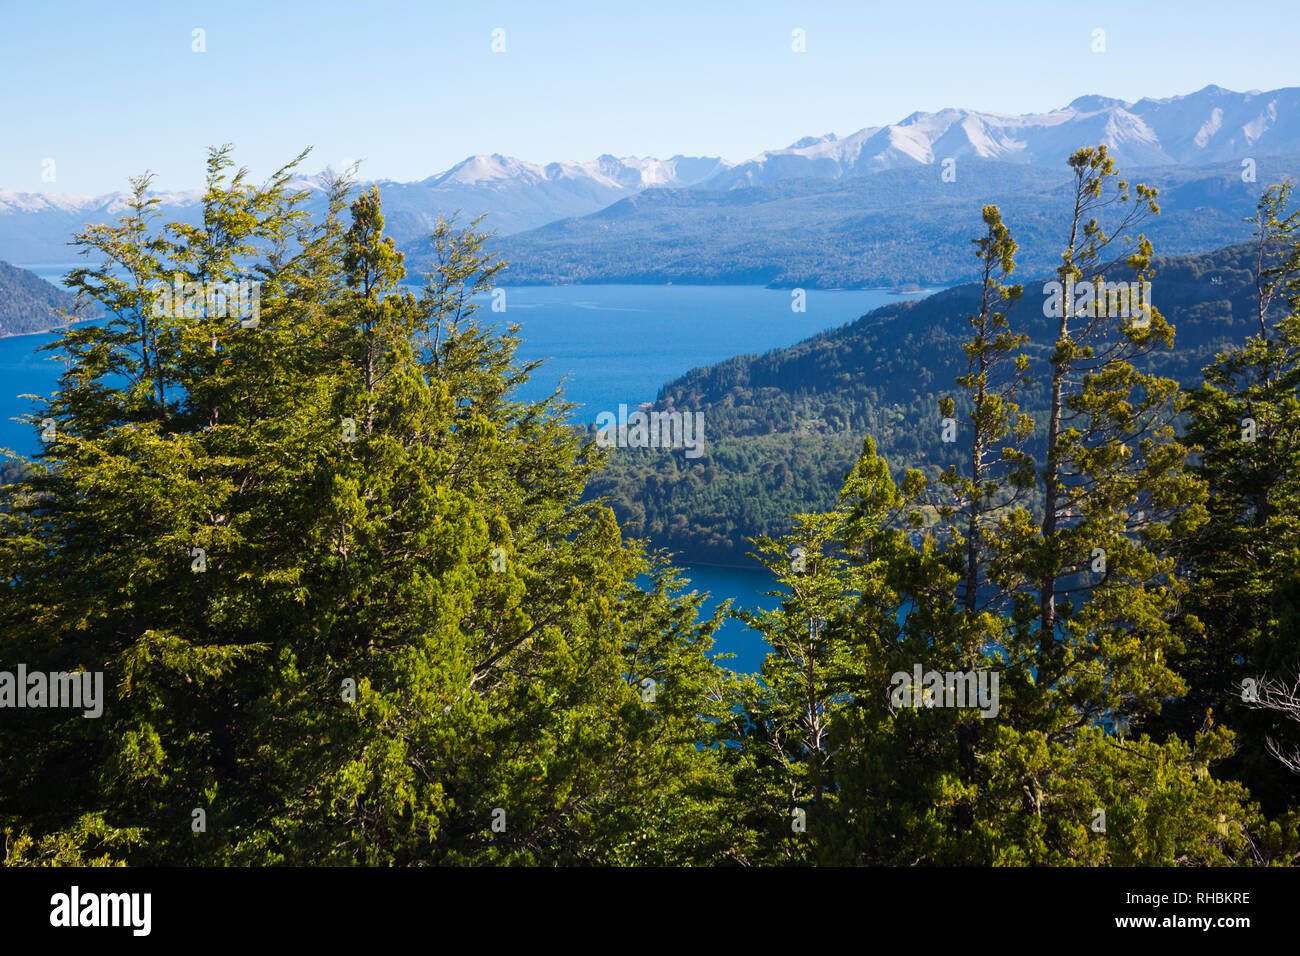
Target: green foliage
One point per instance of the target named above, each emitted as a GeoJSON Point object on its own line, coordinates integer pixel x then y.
{"type": "Point", "coordinates": [74, 846]}
{"type": "Point", "coordinates": [1038, 768]}
{"type": "Point", "coordinates": [357, 604]}
{"type": "Point", "coordinates": [1245, 422]}
{"type": "Point", "coordinates": [786, 427]}
{"type": "Point", "coordinates": [402, 638]}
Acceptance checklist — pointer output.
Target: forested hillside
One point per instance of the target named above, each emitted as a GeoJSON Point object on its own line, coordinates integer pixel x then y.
{"type": "Point", "coordinates": [887, 230]}
{"type": "Point", "coordinates": [786, 427]}
{"type": "Point", "coordinates": [28, 303]}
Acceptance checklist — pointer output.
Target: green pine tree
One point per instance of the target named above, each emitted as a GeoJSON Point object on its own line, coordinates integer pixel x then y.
{"type": "Point", "coordinates": [348, 602]}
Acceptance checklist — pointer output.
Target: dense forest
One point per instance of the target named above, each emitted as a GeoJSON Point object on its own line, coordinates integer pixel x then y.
{"type": "Point", "coordinates": [786, 427]}
{"type": "Point", "coordinates": [353, 602]}
{"type": "Point", "coordinates": [30, 304]}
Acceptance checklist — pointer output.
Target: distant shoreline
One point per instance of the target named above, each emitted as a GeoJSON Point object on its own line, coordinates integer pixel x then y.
{"type": "Point", "coordinates": [57, 328]}
{"type": "Point", "coordinates": [419, 281]}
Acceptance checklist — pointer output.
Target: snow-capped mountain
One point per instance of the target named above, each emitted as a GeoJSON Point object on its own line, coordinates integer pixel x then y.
{"type": "Point", "coordinates": [1211, 125]}
{"type": "Point", "coordinates": [516, 195]}
{"type": "Point", "coordinates": [36, 227]}
{"type": "Point", "coordinates": [110, 204]}
{"type": "Point", "coordinates": [611, 172]}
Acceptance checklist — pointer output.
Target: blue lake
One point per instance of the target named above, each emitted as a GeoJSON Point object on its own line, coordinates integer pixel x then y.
{"type": "Point", "coordinates": [745, 589]}
{"type": "Point", "coordinates": [619, 344]}
{"type": "Point", "coordinates": [611, 344]}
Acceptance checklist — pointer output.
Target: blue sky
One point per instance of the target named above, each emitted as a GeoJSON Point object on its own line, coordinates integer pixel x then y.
{"type": "Point", "coordinates": [108, 90]}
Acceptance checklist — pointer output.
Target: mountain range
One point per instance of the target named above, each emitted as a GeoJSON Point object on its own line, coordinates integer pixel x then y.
{"type": "Point", "coordinates": [1212, 125]}
{"type": "Point", "coordinates": [900, 228]}
{"type": "Point", "coordinates": [516, 196]}
{"type": "Point", "coordinates": [1209, 126]}
{"type": "Point", "coordinates": [587, 222]}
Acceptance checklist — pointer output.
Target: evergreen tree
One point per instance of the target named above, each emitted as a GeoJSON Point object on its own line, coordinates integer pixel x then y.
{"type": "Point", "coordinates": [788, 711]}
{"type": "Point", "coordinates": [1043, 773]}
{"type": "Point", "coordinates": [348, 604]}
{"type": "Point", "coordinates": [1245, 560]}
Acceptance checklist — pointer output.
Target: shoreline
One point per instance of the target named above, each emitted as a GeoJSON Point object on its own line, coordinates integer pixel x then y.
{"type": "Point", "coordinates": [928, 291]}
{"type": "Point", "coordinates": [59, 328]}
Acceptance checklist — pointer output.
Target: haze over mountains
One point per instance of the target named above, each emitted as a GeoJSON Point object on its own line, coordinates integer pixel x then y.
{"type": "Point", "coordinates": [624, 197]}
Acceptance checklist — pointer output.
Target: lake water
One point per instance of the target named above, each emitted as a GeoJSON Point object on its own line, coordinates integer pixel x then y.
{"type": "Point", "coordinates": [614, 345]}
{"type": "Point", "coordinates": [745, 589]}
{"type": "Point", "coordinates": [619, 344]}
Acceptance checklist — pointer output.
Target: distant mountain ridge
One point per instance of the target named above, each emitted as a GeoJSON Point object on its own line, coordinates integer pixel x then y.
{"type": "Point", "coordinates": [1212, 125]}
{"type": "Point", "coordinates": [516, 195]}
{"type": "Point", "coordinates": [893, 228]}
{"type": "Point", "coordinates": [621, 173]}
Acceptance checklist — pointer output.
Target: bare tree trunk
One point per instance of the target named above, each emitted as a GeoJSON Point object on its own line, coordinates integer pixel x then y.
{"type": "Point", "coordinates": [1052, 471]}
{"type": "Point", "coordinates": [973, 526]}
{"type": "Point", "coordinates": [1047, 587]}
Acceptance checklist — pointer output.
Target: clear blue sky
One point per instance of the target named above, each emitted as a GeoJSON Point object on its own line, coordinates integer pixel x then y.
{"type": "Point", "coordinates": [110, 89]}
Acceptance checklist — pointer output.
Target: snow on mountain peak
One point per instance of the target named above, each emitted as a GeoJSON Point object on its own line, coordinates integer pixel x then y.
{"type": "Point", "coordinates": [481, 168]}
{"type": "Point", "coordinates": [614, 172]}
{"type": "Point", "coordinates": [1092, 103]}
{"type": "Point", "coordinates": [813, 141]}
{"type": "Point", "coordinates": [1210, 125]}
{"type": "Point", "coordinates": [17, 201]}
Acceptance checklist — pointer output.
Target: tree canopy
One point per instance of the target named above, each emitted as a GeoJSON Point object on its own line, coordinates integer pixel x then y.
{"type": "Point", "coordinates": [352, 601]}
